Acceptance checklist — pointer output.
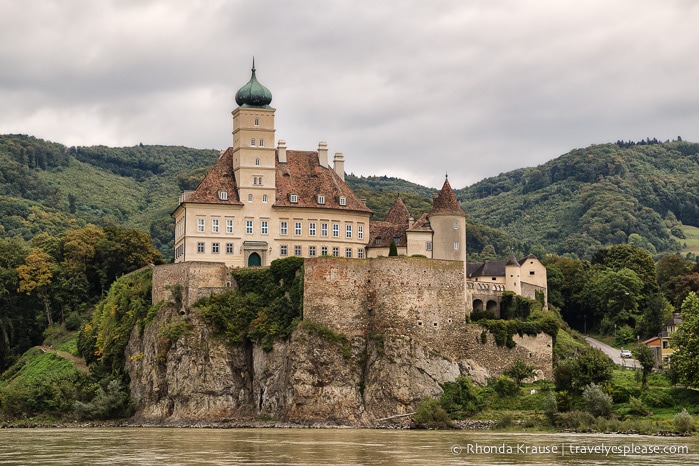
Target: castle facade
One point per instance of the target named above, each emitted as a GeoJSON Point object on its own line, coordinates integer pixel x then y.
{"type": "Point", "coordinates": [259, 203]}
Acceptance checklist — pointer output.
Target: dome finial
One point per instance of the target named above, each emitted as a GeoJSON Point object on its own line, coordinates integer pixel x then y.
{"type": "Point", "coordinates": [253, 64]}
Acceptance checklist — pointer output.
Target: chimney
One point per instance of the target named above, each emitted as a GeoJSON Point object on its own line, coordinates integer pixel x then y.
{"type": "Point", "coordinates": [323, 154]}
{"type": "Point", "coordinates": [281, 151]}
{"type": "Point", "coordinates": [339, 165]}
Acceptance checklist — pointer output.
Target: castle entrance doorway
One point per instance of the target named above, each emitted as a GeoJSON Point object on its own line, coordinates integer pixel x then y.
{"type": "Point", "coordinates": [254, 260]}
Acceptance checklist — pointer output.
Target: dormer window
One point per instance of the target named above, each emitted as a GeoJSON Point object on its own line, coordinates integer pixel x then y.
{"type": "Point", "coordinates": [378, 241]}
{"type": "Point", "coordinates": [223, 195]}
{"type": "Point", "coordinates": [321, 199]}
{"type": "Point", "coordinates": [343, 200]}
{"type": "Point", "coordinates": [294, 198]}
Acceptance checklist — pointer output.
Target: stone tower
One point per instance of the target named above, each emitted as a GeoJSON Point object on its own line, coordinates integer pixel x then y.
{"type": "Point", "coordinates": [253, 142]}
{"type": "Point", "coordinates": [448, 221]}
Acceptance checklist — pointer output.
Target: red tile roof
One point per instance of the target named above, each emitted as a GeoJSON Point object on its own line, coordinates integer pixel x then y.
{"type": "Point", "coordinates": [301, 175]}
{"type": "Point", "coordinates": [218, 178]}
{"type": "Point", "coordinates": [446, 203]}
{"type": "Point", "coordinates": [398, 213]}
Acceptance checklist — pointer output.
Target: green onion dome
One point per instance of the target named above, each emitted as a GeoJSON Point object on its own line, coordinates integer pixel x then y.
{"type": "Point", "coordinates": [253, 94]}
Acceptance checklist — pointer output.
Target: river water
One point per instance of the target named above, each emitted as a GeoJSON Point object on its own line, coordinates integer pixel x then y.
{"type": "Point", "coordinates": [177, 446]}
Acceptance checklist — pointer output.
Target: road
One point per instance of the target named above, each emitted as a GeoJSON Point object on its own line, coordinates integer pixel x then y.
{"type": "Point", "coordinates": [613, 353]}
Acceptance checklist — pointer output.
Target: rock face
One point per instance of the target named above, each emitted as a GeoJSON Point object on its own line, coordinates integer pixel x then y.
{"type": "Point", "coordinates": [308, 379]}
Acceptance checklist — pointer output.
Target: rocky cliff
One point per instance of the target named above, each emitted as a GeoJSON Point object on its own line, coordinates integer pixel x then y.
{"type": "Point", "coordinates": [180, 372]}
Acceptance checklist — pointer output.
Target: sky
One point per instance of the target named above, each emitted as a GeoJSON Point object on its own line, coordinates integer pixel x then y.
{"type": "Point", "coordinates": [410, 89]}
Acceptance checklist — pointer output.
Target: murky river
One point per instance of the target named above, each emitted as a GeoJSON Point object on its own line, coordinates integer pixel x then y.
{"type": "Point", "coordinates": [150, 446]}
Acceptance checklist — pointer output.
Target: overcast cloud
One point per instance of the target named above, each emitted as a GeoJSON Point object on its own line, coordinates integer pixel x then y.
{"type": "Point", "coordinates": [411, 89]}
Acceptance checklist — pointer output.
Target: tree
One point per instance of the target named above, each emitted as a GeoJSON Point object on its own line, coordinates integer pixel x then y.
{"type": "Point", "coordinates": [685, 361]}
{"type": "Point", "coordinates": [35, 276]}
{"type": "Point", "coordinates": [644, 356]}
{"type": "Point", "coordinates": [519, 370]}
{"type": "Point", "coordinates": [392, 249]}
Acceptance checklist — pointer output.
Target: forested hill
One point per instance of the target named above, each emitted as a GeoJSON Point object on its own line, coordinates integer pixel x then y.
{"type": "Point", "coordinates": [637, 193]}
{"type": "Point", "coordinates": [577, 203]}
{"type": "Point", "coordinates": [48, 187]}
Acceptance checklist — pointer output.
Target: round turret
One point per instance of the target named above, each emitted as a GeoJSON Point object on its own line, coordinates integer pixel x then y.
{"type": "Point", "coordinates": [253, 94]}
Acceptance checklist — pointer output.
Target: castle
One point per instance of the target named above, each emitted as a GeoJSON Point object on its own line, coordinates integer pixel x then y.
{"type": "Point", "coordinates": [259, 203]}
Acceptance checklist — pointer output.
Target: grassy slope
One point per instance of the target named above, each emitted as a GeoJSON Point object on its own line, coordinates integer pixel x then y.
{"type": "Point", "coordinates": [691, 243]}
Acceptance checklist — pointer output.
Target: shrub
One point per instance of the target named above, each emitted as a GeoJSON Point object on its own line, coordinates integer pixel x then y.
{"type": "Point", "coordinates": [636, 406]}
{"type": "Point", "coordinates": [658, 398]}
{"type": "Point", "coordinates": [459, 398]}
{"type": "Point", "coordinates": [431, 415]}
{"type": "Point", "coordinates": [683, 421]}
{"type": "Point", "coordinates": [110, 403]}
{"type": "Point", "coordinates": [73, 321]}
{"type": "Point", "coordinates": [519, 370]}
{"type": "Point", "coordinates": [504, 386]}
{"type": "Point", "coordinates": [480, 315]}
{"type": "Point", "coordinates": [579, 420]}
{"type": "Point", "coordinates": [564, 401]}
{"type": "Point", "coordinates": [597, 402]}
{"type": "Point", "coordinates": [549, 406]}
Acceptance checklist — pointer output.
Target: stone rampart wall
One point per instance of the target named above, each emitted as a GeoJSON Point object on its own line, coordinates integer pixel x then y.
{"type": "Point", "coordinates": [197, 279]}
{"type": "Point", "coordinates": [419, 298]}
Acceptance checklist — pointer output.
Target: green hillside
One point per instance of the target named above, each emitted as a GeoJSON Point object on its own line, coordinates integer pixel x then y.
{"type": "Point", "coordinates": [48, 187]}
{"type": "Point", "coordinates": [640, 194]}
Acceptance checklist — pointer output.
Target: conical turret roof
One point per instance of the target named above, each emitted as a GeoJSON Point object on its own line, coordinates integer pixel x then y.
{"type": "Point", "coordinates": [446, 202]}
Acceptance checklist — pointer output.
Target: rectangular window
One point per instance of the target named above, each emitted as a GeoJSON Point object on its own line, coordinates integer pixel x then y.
{"type": "Point", "coordinates": [200, 225]}
{"type": "Point", "coordinates": [312, 229]}
{"type": "Point", "coordinates": [323, 250]}
{"type": "Point", "coordinates": [360, 231]}
{"type": "Point", "coordinates": [283, 228]}
{"type": "Point", "coordinates": [336, 252]}
{"type": "Point", "coordinates": [456, 224]}
{"type": "Point", "coordinates": [264, 227]}
{"type": "Point", "coordinates": [229, 248]}
{"type": "Point", "coordinates": [249, 197]}
{"type": "Point", "coordinates": [283, 250]}
{"type": "Point", "coordinates": [348, 231]}
{"type": "Point", "coordinates": [428, 245]}
{"type": "Point", "coordinates": [214, 225]}
{"type": "Point", "coordinates": [324, 229]}
{"type": "Point", "coordinates": [248, 227]}
{"type": "Point", "coordinates": [336, 230]}
{"type": "Point", "coordinates": [297, 228]}
{"type": "Point", "coordinates": [360, 253]}
{"type": "Point", "coordinates": [297, 250]}
{"type": "Point", "coordinates": [264, 198]}
{"type": "Point", "coordinates": [215, 247]}
{"type": "Point", "coordinates": [262, 142]}
{"type": "Point", "coordinates": [200, 247]}
{"type": "Point", "coordinates": [348, 253]}
{"type": "Point", "coordinates": [252, 142]}
{"type": "Point", "coordinates": [311, 251]}
{"type": "Point", "coordinates": [229, 225]}
{"type": "Point", "coordinates": [456, 245]}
